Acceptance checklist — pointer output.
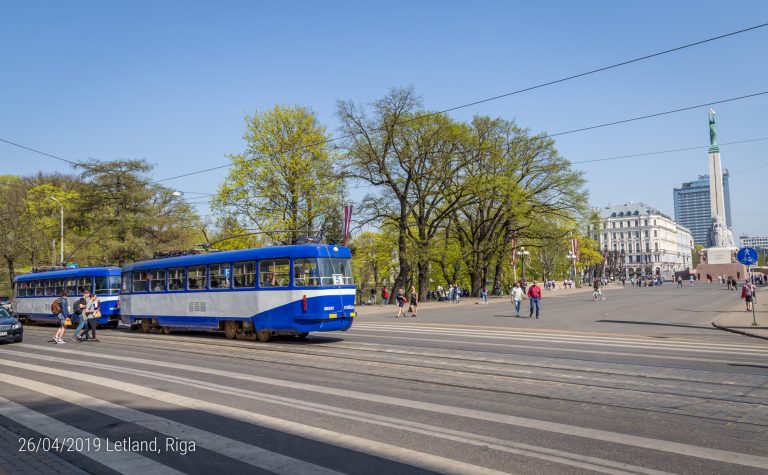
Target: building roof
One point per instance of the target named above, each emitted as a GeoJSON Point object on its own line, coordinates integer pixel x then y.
{"type": "Point", "coordinates": [630, 209]}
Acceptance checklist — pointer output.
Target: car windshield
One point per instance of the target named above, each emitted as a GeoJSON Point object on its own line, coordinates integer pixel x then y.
{"type": "Point", "coordinates": [4, 313]}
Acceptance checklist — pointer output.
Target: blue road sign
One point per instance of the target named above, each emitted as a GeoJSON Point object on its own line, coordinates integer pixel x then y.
{"type": "Point", "coordinates": [747, 256]}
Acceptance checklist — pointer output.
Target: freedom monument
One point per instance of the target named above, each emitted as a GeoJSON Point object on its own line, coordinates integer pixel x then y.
{"type": "Point", "coordinates": [719, 257]}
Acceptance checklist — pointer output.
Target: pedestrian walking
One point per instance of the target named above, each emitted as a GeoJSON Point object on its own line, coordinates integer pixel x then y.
{"type": "Point", "coordinates": [679, 281]}
{"type": "Point", "coordinates": [748, 293]}
{"type": "Point", "coordinates": [91, 312]}
{"type": "Point", "coordinates": [534, 294]}
{"type": "Point", "coordinates": [373, 297]}
{"type": "Point", "coordinates": [517, 298]}
{"type": "Point", "coordinates": [384, 296]}
{"type": "Point", "coordinates": [60, 309]}
{"type": "Point", "coordinates": [80, 306]}
{"type": "Point", "coordinates": [400, 303]}
{"type": "Point", "coordinates": [484, 295]}
{"type": "Point", "coordinates": [414, 301]}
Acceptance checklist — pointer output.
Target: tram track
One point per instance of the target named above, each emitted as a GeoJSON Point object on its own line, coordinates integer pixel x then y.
{"type": "Point", "coordinates": [589, 393]}
{"type": "Point", "coordinates": [352, 350]}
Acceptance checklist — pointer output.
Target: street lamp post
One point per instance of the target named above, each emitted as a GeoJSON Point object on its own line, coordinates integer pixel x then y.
{"type": "Point", "coordinates": [61, 261]}
{"type": "Point", "coordinates": [573, 257]}
{"type": "Point", "coordinates": [522, 253]}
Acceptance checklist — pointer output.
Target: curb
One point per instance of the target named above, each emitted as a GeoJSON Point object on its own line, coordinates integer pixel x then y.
{"type": "Point", "coordinates": [738, 331]}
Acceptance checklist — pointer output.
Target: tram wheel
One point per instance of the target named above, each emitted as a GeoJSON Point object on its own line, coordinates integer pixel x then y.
{"type": "Point", "coordinates": [230, 329]}
{"type": "Point", "coordinates": [166, 330]}
{"type": "Point", "coordinates": [264, 335]}
{"type": "Point", "coordinates": [145, 325]}
{"type": "Point", "coordinates": [301, 335]}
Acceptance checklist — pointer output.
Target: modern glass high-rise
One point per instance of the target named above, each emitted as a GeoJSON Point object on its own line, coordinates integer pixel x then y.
{"type": "Point", "coordinates": [692, 206]}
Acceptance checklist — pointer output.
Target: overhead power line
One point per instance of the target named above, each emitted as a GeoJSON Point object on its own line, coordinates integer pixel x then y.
{"type": "Point", "coordinates": [660, 152]}
{"type": "Point", "coordinates": [501, 96]}
{"type": "Point", "coordinates": [469, 104]}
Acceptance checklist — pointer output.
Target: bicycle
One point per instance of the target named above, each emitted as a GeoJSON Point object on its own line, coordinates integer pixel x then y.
{"type": "Point", "coordinates": [597, 295]}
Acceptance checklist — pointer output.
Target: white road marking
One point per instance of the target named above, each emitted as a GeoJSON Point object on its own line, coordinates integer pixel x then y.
{"type": "Point", "coordinates": [574, 350]}
{"type": "Point", "coordinates": [235, 449]}
{"type": "Point", "coordinates": [387, 451]}
{"type": "Point", "coordinates": [543, 453]}
{"type": "Point", "coordinates": [567, 429]}
{"type": "Point", "coordinates": [123, 462]}
{"type": "Point", "coordinates": [638, 343]}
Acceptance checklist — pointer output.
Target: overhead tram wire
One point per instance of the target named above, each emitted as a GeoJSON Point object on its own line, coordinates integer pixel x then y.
{"type": "Point", "coordinates": [660, 152]}
{"type": "Point", "coordinates": [500, 96]}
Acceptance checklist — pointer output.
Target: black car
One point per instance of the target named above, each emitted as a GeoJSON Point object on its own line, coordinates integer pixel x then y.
{"type": "Point", "coordinates": [10, 327]}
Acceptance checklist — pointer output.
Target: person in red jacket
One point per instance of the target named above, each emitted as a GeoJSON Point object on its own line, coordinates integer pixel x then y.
{"type": "Point", "coordinates": [534, 294]}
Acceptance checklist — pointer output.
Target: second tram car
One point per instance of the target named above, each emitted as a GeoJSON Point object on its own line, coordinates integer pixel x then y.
{"type": "Point", "coordinates": [36, 291]}
{"type": "Point", "coordinates": [261, 292]}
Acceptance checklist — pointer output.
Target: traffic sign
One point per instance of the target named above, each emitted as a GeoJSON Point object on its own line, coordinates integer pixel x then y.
{"type": "Point", "coordinates": [747, 256]}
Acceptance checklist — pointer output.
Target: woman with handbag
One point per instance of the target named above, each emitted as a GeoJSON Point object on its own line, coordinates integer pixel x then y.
{"type": "Point", "coordinates": [91, 313]}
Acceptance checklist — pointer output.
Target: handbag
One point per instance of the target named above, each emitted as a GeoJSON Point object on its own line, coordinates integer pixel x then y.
{"type": "Point", "coordinates": [97, 313]}
{"type": "Point", "coordinates": [67, 322]}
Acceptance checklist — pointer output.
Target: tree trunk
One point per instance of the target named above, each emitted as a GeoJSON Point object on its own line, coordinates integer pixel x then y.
{"type": "Point", "coordinates": [11, 272]}
{"type": "Point", "coordinates": [402, 248]}
{"type": "Point", "coordinates": [422, 279]}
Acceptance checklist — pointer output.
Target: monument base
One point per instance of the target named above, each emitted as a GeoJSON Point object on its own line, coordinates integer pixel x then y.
{"type": "Point", "coordinates": [712, 271]}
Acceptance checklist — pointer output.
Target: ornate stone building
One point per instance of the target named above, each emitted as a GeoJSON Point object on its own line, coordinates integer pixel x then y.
{"type": "Point", "coordinates": [640, 241]}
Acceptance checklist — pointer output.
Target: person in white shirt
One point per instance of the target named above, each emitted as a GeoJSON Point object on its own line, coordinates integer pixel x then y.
{"type": "Point", "coordinates": [517, 297]}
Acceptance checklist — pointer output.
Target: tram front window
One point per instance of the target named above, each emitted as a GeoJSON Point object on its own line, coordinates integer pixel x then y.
{"type": "Point", "coordinates": [107, 285]}
{"type": "Point", "coordinates": [335, 271]}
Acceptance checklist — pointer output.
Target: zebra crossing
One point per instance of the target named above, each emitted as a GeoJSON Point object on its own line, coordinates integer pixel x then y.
{"type": "Point", "coordinates": [405, 408]}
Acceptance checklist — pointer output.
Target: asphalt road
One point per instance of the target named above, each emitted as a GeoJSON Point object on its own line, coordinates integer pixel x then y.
{"type": "Point", "coordinates": [639, 383]}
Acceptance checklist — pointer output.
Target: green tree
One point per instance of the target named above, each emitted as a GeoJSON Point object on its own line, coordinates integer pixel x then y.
{"type": "Point", "coordinates": [414, 158]}
{"type": "Point", "coordinates": [285, 182]}
{"type": "Point", "coordinates": [124, 217]}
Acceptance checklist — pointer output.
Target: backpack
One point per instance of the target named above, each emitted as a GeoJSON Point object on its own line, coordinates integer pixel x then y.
{"type": "Point", "coordinates": [56, 307]}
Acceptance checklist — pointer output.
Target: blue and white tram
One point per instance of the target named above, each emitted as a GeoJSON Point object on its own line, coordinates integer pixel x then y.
{"type": "Point", "coordinates": [36, 291]}
{"type": "Point", "coordinates": [248, 293]}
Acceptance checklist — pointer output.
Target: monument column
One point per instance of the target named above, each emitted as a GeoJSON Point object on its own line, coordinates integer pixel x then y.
{"type": "Point", "coordinates": [716, 193]}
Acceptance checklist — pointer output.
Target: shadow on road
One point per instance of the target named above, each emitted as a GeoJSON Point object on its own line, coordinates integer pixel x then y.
{"type": "Point", "coordinates": [749, 365]}
{"type": "Point", "coordinates": [633, 322]}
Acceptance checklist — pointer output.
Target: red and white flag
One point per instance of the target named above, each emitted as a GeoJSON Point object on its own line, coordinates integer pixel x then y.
{"type": "Point", "coordinates": [347, 222]}
{"type": "Point", "coordinates": [575, 247]}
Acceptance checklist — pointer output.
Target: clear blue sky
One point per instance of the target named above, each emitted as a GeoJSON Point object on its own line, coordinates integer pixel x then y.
{"type": "Point", "coordinates": [170, 82]}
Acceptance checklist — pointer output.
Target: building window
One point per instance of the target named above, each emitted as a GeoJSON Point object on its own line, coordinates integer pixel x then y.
{"type": "Point", "coordinates": [655, 233]}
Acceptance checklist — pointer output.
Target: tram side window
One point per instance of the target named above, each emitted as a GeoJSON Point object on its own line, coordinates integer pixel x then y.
{"type": "Point", "coordinates": [305, 273]}
{"type": "Point", "coordinates": [140, 281]}
{"type": "Point", "coordinates": [157, 280]}
{"type": "Point", "coordinates": [220, 276]}
{"type": "Point", "coordinates": [21, 289]}
{"type": "Point", "coordinates": [274, 273]}
{"type": "Point", "coordinates": [176, 279]}
{"type": "Point", "coordinates": [58, 286]}
{"type": "Point", "coordinates": [244, 274]}
{"type": "Point", "coordinates": [196, 277]}
{"type": "Point", "coordinates": [126, 283]}
{"type": "Point", "coordinates": [106, 285]}
{"type": "Point", "coordinates": [83, 284]}
{"type": "Point", "coordinates": [49, 288]}
{"type": "Point", "coordinates": [39, 288]}
{"type": "Point", "coordinates": [71, 286]}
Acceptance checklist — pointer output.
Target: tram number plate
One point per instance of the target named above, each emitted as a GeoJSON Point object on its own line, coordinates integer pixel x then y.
{"type": "Point", "coordinates": [3, 333]}
{"type": "Point", "coordinates": [338, 279]}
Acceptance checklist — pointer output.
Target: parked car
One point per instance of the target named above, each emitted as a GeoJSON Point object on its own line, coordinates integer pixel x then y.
{"type": "Point", "coordinates": [5, 302]}
{"type": "Point", "coordinates": [10, 327]}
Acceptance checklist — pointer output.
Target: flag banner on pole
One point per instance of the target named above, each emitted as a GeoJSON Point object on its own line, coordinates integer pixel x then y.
{"type": "Point", "coordinates": [347, 222]}
{"type": "Point", "coordinates": [514, 251]}
{"type": "Point", "coordinates": [575, 248]}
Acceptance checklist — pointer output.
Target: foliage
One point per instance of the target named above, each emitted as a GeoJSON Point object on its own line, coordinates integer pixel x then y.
{"type": "Point", "coordinates": [284, 183]}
